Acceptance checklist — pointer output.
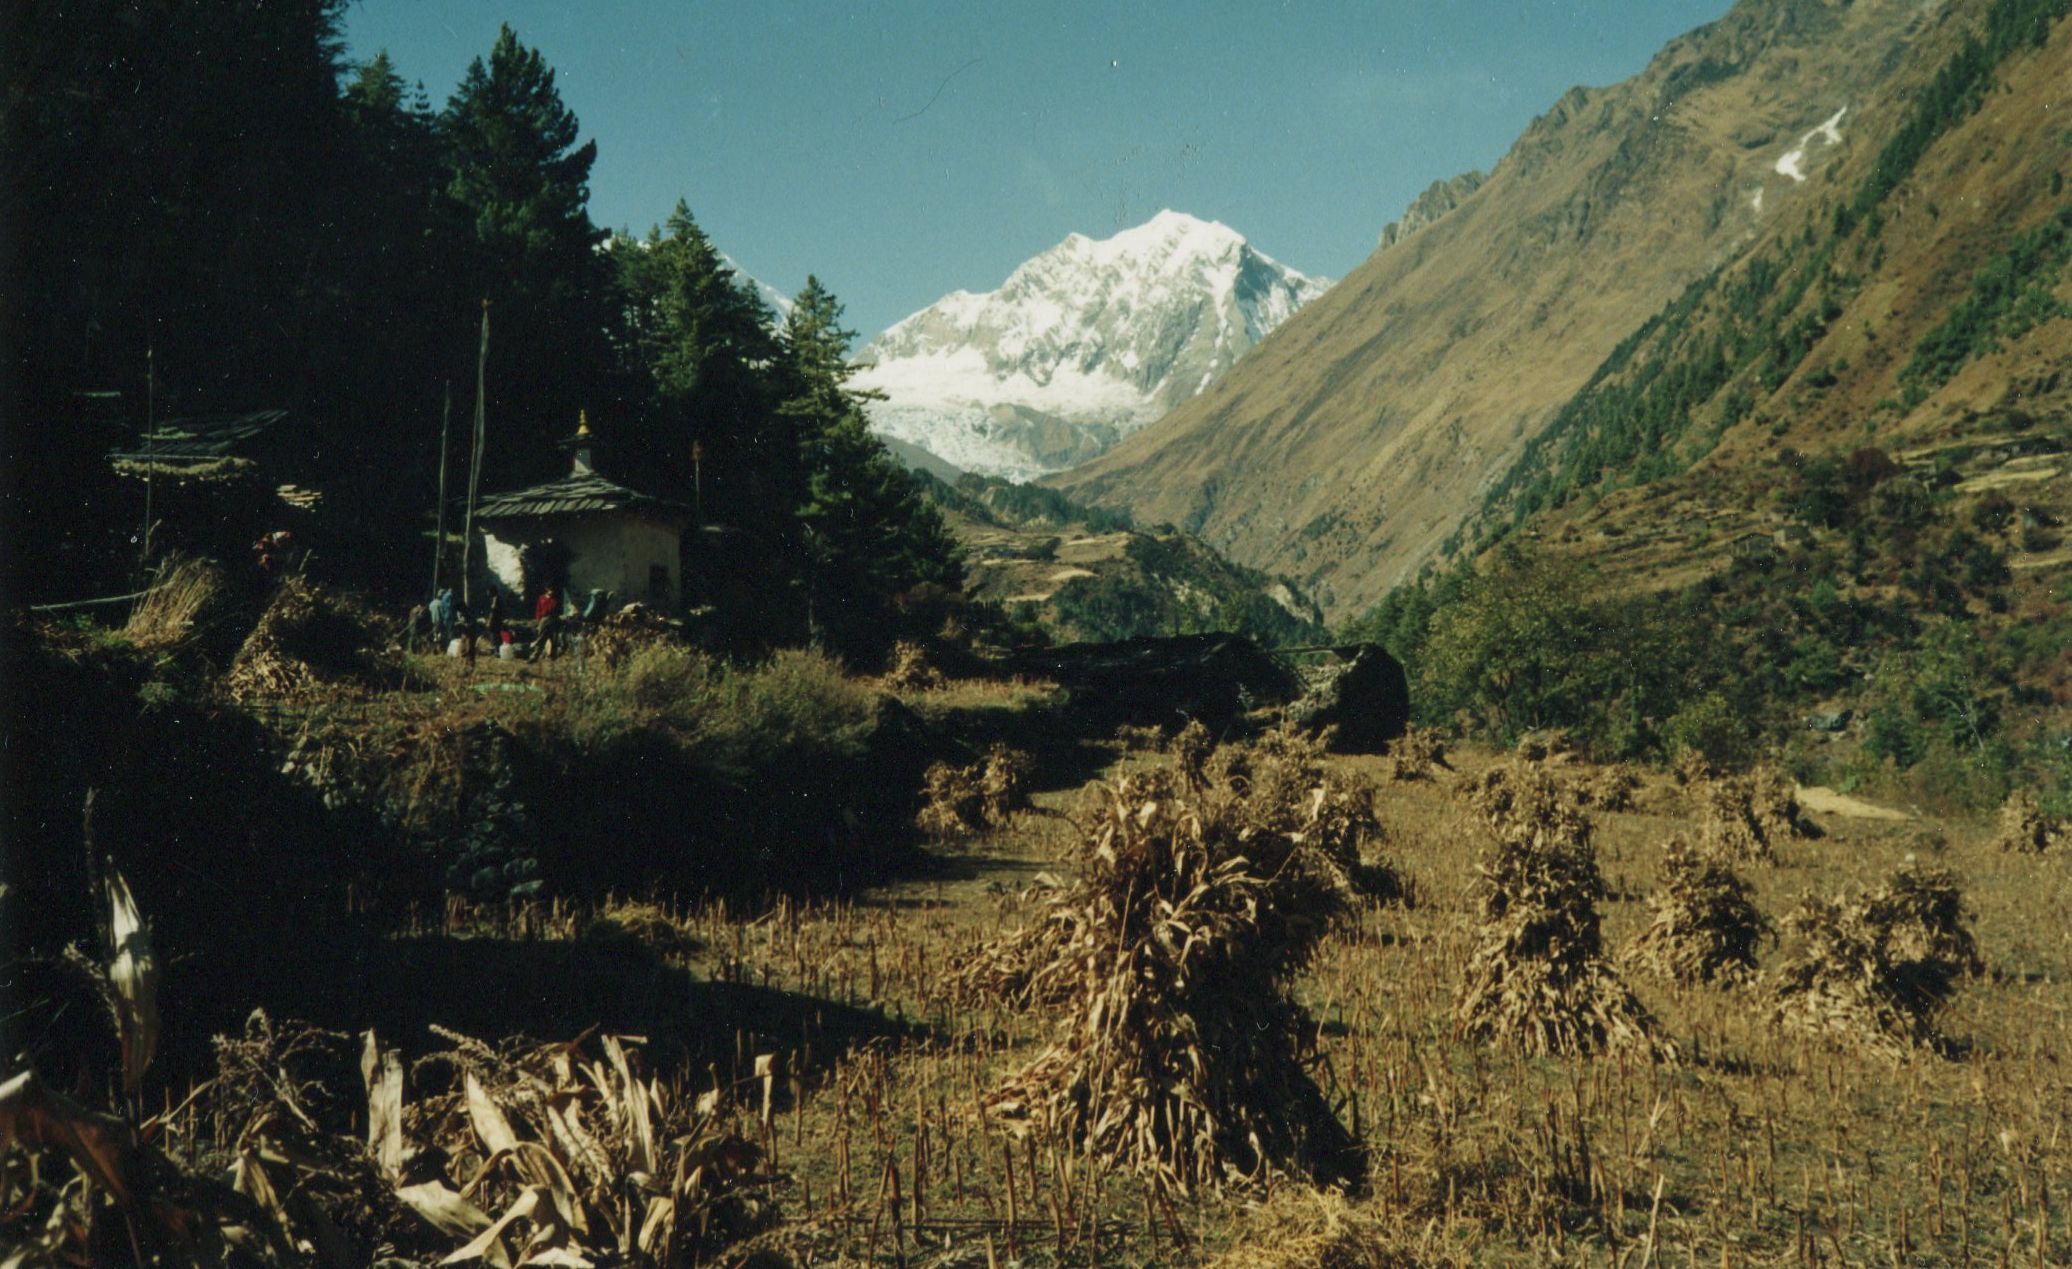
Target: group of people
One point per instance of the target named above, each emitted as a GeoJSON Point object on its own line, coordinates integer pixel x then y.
{"type": "Point", "coordinates": [451, 622]}
{"type": "Point", "coordinates": [274, 552]}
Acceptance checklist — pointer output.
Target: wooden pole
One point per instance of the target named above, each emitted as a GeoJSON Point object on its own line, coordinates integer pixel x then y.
{"type": "Point", "coordinates": [439, 534]}
{"type": "Point", "coordinates": [150, 468]}
{"type": "Point", "coordinates": [467, 545]}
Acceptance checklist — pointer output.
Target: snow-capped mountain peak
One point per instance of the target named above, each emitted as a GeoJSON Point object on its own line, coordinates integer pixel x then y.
{"type": "Point", "coordinates": [1080, 346]}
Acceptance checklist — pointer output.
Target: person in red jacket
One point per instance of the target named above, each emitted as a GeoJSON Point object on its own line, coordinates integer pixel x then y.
{"type": "Point", "coordinates": [547, 612]}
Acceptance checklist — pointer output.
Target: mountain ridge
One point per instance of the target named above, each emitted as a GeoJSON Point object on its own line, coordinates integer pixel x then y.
{"type": "Point", "coordinates": [1348, 449]}
{"type": "Point", "coordinates": [1080, 346]}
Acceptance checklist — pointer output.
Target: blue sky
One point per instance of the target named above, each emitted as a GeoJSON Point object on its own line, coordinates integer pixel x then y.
{"type": "Point", "coordinates": [904, 150]}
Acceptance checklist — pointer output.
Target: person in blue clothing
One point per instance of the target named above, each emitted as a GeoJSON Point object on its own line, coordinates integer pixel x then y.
{"type": "Point", "coordinates": [443, 614]}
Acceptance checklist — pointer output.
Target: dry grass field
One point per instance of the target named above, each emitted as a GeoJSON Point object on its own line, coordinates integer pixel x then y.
{"type": "Point", "coordinates": [854, 1098]}
{"type": "Point", "coordinates": [1756, 1146]}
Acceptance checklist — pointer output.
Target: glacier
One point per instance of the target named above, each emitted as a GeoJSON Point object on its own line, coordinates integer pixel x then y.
{"type": "Point", "coordinates": [1082, 345]}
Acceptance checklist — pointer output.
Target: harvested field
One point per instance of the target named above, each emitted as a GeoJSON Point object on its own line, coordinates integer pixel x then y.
{"type": "Point", "coordinates": [885, 1142]}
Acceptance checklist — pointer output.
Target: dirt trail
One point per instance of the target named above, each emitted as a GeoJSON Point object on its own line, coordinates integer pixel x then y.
{"type": "Point", "coordinates": [1825, 801]}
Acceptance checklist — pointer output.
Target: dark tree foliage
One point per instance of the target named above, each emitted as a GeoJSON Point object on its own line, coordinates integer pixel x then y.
{"type": "Point", "coordinates": [211, 184]}
{"type": "Point", "coordinates": [515, 199]}
{"type": "Point", "coordinates": [865, 531]}
{"type": "Point", "coordinates": [169, 184]}
{"type": "Point", "coordinates": [699, 342]}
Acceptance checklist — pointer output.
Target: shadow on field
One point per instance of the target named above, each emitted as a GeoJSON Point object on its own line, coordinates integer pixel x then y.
{"type": "Point", "coordinates": [1070, 746]}
{"type": "Point", "coordinates": [487, 988]}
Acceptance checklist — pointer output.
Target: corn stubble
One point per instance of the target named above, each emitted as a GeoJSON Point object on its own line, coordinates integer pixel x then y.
{"type": "Point", "coordinates": [1538, 976]}
{"type": "Point", "coordinates": [1199, 896]}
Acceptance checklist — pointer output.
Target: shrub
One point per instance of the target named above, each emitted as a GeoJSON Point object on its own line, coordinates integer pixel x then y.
{"type": "Point", "coordinates": [669, 680]}
{"type": "Point", "coordinates": [1713, 729]}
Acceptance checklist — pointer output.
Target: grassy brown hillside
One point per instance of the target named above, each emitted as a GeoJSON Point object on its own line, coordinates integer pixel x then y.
{"type": "Point", "coordinates": [1347, 449]}
{"type": "Point", "coordinates": [1933, 329]}
{"type": "Point", "coordinates": [1817, 505]}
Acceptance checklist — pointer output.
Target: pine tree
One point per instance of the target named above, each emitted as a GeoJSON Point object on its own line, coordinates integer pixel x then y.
{"type": "Point", "coordinates": [518, 175]}
{"type": "Point", "coordinates": [866, 533]}
{"type": "Point", "coordinates": [515, 200]}
{"type": "Point", "coordinates": [701, 343]}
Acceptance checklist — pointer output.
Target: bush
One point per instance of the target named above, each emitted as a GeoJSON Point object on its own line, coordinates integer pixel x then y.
{"type": "Point", "coordinates": [738, 720]}
{"type": "Point", "coordinates": [668, 680]}
{"type": "Point", "coordinates": [1948, 779]}
{"type": "Point", "coordinates": [1713, 729]}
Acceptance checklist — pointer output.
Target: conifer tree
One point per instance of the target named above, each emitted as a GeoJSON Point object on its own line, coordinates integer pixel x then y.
{"type": "Point", "coordinates": [701, 343]}
{"type": "Point", "coordinates": [516, 201]}
{"type": "Point", "coordinates": [518, 175]}
{"type": "Point", "coordinates": [866, 532]}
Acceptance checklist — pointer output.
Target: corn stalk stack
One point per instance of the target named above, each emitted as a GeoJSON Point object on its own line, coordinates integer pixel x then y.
{"type": "Point", "coordinates": [1414, 754]}
{"type": "Point", "coordinates": [1747, 816]}
{"type": "Point", "coordinates": [1169, 959]}
{"type": "Point", "coordinates": [957, 800]}
{"type": "Point", "coordinates": [1873, 972]}
{"type": "Point", "coordinates": [1705, 926]}
{"type": "Point", "coordinates": [1538, 976]}
{"type": "Point", "coordinates": [2024, 827]}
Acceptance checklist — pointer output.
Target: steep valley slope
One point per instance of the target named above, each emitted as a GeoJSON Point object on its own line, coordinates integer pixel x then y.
{"type": "Point", "coordinates": [1082, 575]}
{"type": "Point", "coordinates": [1351, 446]}
{"type": "Point", "coordinates": [1919, 323]}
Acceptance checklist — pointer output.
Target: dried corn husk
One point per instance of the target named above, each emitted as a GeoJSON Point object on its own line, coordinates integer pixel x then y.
{"type": "Point", "coordinates": [132, 982]}
{"type": "Point", "coordinates": [1873, 972]}
{"type": "Point", "coordinates": [1746, 817]}
{"type": "Point", "coordinates": [1538, 976]}
{"type": "Point", "coordinates": [2024, 826]}
{"type": "Point", "coordinates": [1705, 924]}
{"type": "Point", "coordinates": [959, 800]}
{"type": "Point", "coordinates": [1416, 753]}
{"type": "Point", "coordinates": [1169, 957]}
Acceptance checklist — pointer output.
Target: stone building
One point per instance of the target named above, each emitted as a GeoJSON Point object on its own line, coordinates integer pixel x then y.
{"type": "Point", "coordinates": [583, 532]}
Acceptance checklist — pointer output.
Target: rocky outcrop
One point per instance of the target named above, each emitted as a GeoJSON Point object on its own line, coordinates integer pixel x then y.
{"type": "Point", "coordinates": [1441, 197]}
